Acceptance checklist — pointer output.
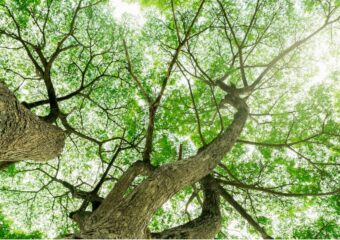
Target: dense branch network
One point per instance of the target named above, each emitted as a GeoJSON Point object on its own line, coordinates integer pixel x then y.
{"type": "Point", "coordinates": [130, 205]}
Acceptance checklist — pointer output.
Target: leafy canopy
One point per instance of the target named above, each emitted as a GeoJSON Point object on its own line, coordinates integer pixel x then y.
{"type": "Point", "coordinates": [287, 155]}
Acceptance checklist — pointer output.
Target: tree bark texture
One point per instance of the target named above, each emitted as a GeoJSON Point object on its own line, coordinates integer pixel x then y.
{"type": "Point", "coordinates": [207, 225]}
{"type": "Point", "coordinates": [128, 217]}
{"type": "Point", "coordinates": [23, 135]}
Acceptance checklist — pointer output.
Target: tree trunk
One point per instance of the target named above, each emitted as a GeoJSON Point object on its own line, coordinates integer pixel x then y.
{"type": "Point", "coordinates": [23, 136]}
{"type": "Point", "coordinates": [207, 225]}
{"type": "Point", "coordinates": [128, 217]}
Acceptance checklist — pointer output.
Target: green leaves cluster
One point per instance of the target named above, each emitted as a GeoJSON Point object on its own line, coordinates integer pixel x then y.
{"type": "Point", "coordinates": [287, 108]}
{"type": "Point", "coordinates": [6, 232]}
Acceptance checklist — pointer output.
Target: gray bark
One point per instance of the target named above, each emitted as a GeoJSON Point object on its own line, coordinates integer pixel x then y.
{"type": "Point", "coordinates": [23, 135]}
{"type": "Point", "coordinates": [129, 217]}
{"type": "Point", "coordinates": [207, 225]}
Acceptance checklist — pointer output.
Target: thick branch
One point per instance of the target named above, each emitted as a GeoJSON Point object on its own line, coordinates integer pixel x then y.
{"type": "Point", "coordinates": [166, 181]}
{"type": "Point", "coordinates": [207, 225]}
{"type": "Point", "coordinates": [23, 136]}
{"type": "Point", "coordinates": [120, 188]}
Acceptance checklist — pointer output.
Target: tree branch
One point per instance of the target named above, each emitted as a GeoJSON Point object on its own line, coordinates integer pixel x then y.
{"type": "Point", "coordinates": [244, 213]}
{"type": "Point", "coordinates": [207, 225]}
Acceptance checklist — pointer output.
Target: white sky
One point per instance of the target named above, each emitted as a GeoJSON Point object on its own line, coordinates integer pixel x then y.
{"type": "Point", "coordinates": [122, 9]}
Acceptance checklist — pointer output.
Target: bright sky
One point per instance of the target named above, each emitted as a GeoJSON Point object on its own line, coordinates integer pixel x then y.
{"type": "Point", "coordinates": [122, 9]}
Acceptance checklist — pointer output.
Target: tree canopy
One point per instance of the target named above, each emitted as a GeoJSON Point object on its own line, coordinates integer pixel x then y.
{"type": "Point", "coordinates": [244, 92]}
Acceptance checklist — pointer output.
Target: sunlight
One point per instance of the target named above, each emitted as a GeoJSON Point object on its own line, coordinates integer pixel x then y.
{"type": "Point", "coordinates": [324, 61]}
{"type": "Point", "coordinates": [122, 9]}
{"type": "Point", "coordinates": [166, 119]}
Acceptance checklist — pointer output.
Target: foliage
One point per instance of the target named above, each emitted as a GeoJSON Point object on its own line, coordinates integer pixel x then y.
{"type": "Point", "coordinates": [287, 155]}
{"type": "Point", "coordinates": [7, 233]}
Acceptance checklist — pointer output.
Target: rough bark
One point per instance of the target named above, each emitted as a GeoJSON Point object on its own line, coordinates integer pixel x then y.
{"type": "Point", "coordinates": [119, 190]}
{"type": "Point", "coordinates": [130, 216]}
{"type": "Point", "coordinates": [207, 225]}
{"type": "Point", "coordinates": [24, 136]}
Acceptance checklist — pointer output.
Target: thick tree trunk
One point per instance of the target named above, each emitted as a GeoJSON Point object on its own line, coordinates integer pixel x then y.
{"type": "Point", "coordinates": [207, 225]}
{"type": "Point", "coordinates": [129, 216]}
{"type": "Point", "coordinates": [23, 136]}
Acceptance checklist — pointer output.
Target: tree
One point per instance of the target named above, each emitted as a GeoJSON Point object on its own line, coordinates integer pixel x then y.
{"type": "Point", "coordinates": [6, 233]}
{"type": "Point", "coordinates": [23, 135]}
{"type": "Point", "coordinates": [200, 100]}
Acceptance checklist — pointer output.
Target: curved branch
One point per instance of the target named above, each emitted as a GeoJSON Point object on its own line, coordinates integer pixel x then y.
{"type": "Point", "coordinates": [165, 181]}
{"type": "Point", "coordinates": [207, 225]}
{"type": "Point", "coordinates": [117, 193]}
{"type": "Point", "coordinates": [23, 136]}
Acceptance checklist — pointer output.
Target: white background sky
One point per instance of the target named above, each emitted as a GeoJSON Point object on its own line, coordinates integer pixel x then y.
{"type": "Point", "coordinates": [121, 9]}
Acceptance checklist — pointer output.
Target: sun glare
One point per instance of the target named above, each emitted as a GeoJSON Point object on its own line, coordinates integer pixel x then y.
{"type": "Point", "coordinates": [122, 9]}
